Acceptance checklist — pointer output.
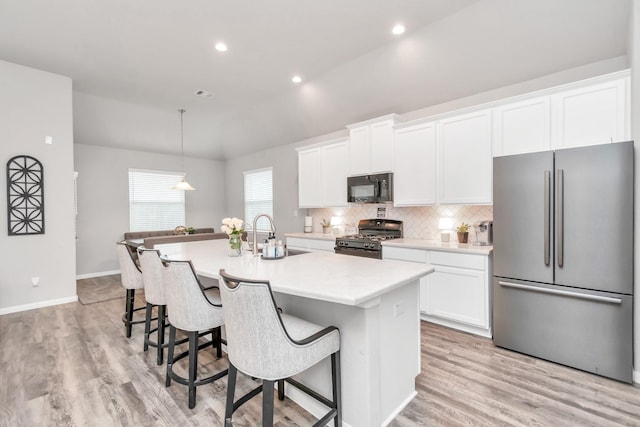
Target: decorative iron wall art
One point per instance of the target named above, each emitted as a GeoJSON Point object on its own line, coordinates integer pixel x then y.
{"type": "Point", "coordinates": [25, 196]}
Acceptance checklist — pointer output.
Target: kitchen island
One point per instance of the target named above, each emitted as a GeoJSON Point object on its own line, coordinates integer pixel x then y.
{"type": "Point", "coordinates": [373, 302]}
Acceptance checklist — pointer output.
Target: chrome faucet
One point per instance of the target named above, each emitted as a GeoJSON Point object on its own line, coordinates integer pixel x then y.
{"type": "Point", "coordinates": [255, 231]}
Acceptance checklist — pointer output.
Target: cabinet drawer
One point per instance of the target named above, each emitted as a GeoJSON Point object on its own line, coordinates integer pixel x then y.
{"type": "Point", "coordinates": [297, 243]}
{"type": "Point", "coordinates": [404, 254]}
{"type": "Point", "coordinates": [322, 245]}
{"type": "Point", "coordinates": [476, 262]}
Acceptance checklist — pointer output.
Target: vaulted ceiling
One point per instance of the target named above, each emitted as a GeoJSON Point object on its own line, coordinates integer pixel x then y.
{"type": "Point", "coordinates": [134, 63]}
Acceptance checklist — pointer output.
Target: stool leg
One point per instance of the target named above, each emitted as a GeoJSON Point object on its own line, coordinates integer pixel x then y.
{"type": "Point", "coordinates": [280, 389]}
{"type": "Point", "coordinates": [172, 341]}
{"type": "Point", "coordinates": [337, 387]}
{"type": "Point", "coordinates": [218, 342]}
{"type": "Point", "coordinates": [267, 403]}
{"type": "Point", "coordinates": [161, 327]}
{"type": "Point", "coordinates": [231, 389]}
{"type": "Point", "coordinates": [131, 294]}
{"type": "Point", "coordinates": [193, 366]}
{"type": "Point", "coordinates": [147, 326]}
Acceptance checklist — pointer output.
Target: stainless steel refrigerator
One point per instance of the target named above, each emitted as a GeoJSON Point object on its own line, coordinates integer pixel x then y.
{"type": "Point", "coordinates": [563, 257]}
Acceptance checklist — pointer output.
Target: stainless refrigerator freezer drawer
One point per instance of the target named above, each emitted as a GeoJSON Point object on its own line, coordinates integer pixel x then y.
{"type": "Point", "coordinates": [588, 330]}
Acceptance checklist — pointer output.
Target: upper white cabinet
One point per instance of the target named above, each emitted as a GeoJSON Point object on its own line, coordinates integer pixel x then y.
{"type": "Point", "coordinates": [465, 160]}
{"type": "Point", "coordinates": [334, 174]}
{"type": "Point", "coordinates": [415, 165]}
{"type": "Point", "coordinates": [594, 111]}
{"type": "Point", "coordinates": [322, 175]}
{"type": "Point", "coordinates": [522, 127]}
{"type": "Point", "coordinates": [595, 114]}
{"type": "Point", "coordinates": [371, 145]}
{"type": "Point", "coordinates": [309, 178]}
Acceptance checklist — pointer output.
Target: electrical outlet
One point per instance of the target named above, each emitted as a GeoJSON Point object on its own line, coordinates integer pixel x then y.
{"type": "Point", "coordinates": [35, 281]}
{"type": "Point", "coordinates": [398, 309]}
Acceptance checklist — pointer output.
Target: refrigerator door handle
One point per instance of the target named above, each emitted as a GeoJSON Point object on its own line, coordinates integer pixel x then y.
{"type": "Point", "coordinates": [547, 217]}
{"type": "Point", "coordinates": [562, 293]}
{"type": "Point", "coordinates": [560, 217]}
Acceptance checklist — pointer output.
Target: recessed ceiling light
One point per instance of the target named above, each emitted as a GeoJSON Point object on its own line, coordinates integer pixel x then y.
{"type": "Point", "coordinates": [398, 29]}
{"type": "Point", "coordinates": [296, 79]}
{"type": "Point", "coordinates": [221, 47]}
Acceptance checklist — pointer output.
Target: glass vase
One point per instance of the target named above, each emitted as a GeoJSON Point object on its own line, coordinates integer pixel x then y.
{"type": "Point", "coordinates": [235, 245]}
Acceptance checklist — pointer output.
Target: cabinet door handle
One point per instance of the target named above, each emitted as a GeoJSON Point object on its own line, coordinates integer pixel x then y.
{"type": "Point", "coordinates": [562, 293]}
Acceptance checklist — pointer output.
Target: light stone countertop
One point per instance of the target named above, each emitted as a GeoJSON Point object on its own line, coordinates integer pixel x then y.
{"type": "Point", "coordinates": [325, 276]}
{"type": "Point", "coordinates": [437, 245]}
{"type": "Point", "coordinates": [313, 236]}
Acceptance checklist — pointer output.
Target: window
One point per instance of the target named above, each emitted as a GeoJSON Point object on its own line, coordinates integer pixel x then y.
{"type": "Point", "coordinates": [153, 205]}
{"type": "Point", "coordinates": [258, 197]}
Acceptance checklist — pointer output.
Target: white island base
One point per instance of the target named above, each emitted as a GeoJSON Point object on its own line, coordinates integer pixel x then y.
{"type": "Point", "coordinates": [380, 355]}
{"type": "Point", "coordinates": [375, 303]}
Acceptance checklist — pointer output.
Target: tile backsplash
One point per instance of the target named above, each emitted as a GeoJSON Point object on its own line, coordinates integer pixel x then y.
{"type": "Point", "coordinates": [420, 222]}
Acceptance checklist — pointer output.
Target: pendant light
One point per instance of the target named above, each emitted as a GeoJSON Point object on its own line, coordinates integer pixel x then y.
{"type": "Point", "coordinates": [183, 184]}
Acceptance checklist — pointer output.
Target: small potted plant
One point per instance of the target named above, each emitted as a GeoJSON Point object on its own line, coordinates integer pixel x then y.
{"type": "Point", "coordinates": [463, 233]}
{"type": "Point", "coordinates": [326, 226]}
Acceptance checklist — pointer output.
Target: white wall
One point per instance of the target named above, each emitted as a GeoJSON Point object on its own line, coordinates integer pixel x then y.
{"type": "Point", "coordinates": [103, 199]}
{"type": "Point", "coordinates": [35, 104]}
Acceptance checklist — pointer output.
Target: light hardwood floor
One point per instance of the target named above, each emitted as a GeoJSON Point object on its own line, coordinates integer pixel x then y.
{"type": "Point", "coordinates": [72, 365]}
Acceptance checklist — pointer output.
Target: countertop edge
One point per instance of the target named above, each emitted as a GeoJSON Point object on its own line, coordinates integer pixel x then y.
{"type": "Point", "coordinates": [312, 236]}
{"type": "Point", "coordinates": [436, 245]}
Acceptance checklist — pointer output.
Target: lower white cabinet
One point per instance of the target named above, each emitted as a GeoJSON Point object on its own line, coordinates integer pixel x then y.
{"type": "Point", "coordinates": [457, 294]}
{"type": "Point", "coordinates": [311, 245]}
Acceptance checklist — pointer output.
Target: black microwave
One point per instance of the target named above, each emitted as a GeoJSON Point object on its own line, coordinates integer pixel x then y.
{"type": "Point", "coordinates": [370, 188]}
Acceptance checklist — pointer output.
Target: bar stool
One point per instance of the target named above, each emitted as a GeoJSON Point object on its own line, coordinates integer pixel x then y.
{"type": "Point", "coordinates": [152, 272]}
{"type": "Point", "coordinates": [131, 278]}
{"type": "Point", "coordinates": [264, 343]}
{"type": "Point", "coordinates": [191, 311]}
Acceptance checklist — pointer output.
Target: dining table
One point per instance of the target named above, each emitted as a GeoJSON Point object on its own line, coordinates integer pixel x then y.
{"type": "Point", "coordinates": [374, 303]}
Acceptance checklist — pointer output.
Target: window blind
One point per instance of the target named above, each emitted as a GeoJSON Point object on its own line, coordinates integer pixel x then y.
{"type": "Point", "coordinates": [153, 205]}
{"type": "Point", "coordinates": [258, 197]}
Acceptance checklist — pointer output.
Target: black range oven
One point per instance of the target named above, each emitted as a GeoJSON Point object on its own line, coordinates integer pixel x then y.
{"type": "Point", "coordinates": [368, 241]}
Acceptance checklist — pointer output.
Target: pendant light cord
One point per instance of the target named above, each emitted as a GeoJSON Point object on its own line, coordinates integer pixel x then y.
{"type": "Point", "coordinates": [181, 111]}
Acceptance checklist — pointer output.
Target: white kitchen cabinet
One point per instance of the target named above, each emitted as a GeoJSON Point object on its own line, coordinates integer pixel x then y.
{"type": "Point", "coordinates": [414, 177]}
{"type": "Point", "coordinates": [465, 159]}
{"type": "Point", "coordinates": [594, 114]}
{"type": "Point", "coordinates": [322, 175]}
{"type": "Point", "coordinates": [458, 293]}
{"type": "Point", "coordinates": [334, 174]}
{"type": "Point", "coordinates": [371, 145]}
{"type": "Point", "coordinates": [312, 245]}
{"type": "Point", "coordinates": [522, 127]}
{"type": "Point", "coordinates": [310, 178]}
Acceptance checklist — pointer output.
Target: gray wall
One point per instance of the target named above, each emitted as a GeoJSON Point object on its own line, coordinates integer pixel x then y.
{"type": "Point", "coordinates": [103, 199]}
{"type": "Point", "coordinates": [284, 160]}
{"type": "Point", "coordinates": [35, 104]}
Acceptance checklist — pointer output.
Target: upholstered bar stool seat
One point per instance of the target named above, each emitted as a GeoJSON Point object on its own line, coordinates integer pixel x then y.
{"type": "Point", "coordinates": [191, 311]}
{"type": "Point", "coordinates": [264, 343]}
{"type": "Point", "coordinates": [152, 277]}
{"type": "Point", "coordinates": [131, 277]}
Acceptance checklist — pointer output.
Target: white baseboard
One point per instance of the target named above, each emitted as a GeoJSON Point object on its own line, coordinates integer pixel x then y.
{"type": "Point", "coordinates": [636, 377]}
{"type": "Point", "coordinates": [40, 304]}
{"type": "Point", "coordinates": [99, 274]}
{"type": "Point", "coordinates": [399, 409]}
